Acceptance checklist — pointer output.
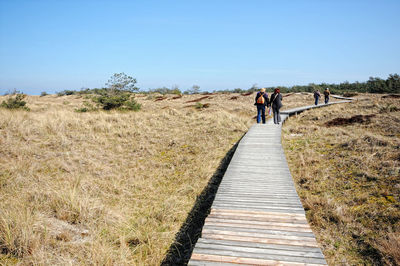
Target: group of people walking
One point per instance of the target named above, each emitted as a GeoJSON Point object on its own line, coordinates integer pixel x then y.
{"type": "Point", "coordinates": [275, 103]}
{"type": "Point", "coordinates": [317, 95]}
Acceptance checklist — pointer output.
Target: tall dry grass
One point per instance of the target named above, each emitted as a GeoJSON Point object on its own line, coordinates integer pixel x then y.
{"type": "Point", "coordinates": [348, 177]}
{"type": "Point", "coordinates": [109, 188]}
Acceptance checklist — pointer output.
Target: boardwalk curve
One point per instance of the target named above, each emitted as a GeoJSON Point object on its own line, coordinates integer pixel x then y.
{"type": "Point", "coordinates": [257, 217]}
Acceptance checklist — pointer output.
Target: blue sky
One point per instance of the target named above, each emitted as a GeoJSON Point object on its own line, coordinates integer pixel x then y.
{"type": "Point", "coordinates": [55, 45]}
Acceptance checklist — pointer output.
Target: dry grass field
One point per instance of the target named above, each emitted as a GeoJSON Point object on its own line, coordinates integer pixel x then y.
{"type": "Point", "coordinates": [347, 173]}
{"type": "Point", "coordinates": [114, 188]}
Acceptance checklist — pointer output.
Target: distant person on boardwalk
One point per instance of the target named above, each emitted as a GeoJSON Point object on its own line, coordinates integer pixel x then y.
{"type": "Point", "coordinates": [317, 94]}
{"type": "Point", "coordinates": [276, 104]}
{"type": "Point", "coordinates": [261, 102]}
{"type": "Point", "coordinates": [326, 94]}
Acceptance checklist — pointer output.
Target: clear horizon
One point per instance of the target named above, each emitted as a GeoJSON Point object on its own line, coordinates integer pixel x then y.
{"type": "Point", "coordinates": [55, 45]}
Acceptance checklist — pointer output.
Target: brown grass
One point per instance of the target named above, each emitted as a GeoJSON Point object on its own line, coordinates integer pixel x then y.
{"type": "Point", "coordinates": [114, 188]}
{"type": "Point", "coordinates": [110, 188]}
{"type": "Point", "coordinates": [347, 175]}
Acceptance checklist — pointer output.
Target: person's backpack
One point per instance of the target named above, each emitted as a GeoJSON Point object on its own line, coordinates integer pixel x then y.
{"type": "Point", "coordinates": [261, 100]}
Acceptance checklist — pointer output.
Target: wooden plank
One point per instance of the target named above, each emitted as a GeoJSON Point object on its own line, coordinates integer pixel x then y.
{"type": "Point", "coordinates": [265, 219]}
{"type": "Point", "coordinates": [266, 201]}
{"type": "Point", "coordinates": [269, 231]}
{"type": "Point", "coordinates": [244, 194]}
{"type": "Point", "coordinates": [267, 180]}
{"type": "Point", "coordinates": [260, 191]}
{"type": "Point", "coordinates": [292, 200]}
{"type": "Point", "coordinates": [270, 179]}
{"type": "Point", "coordinates": [264, 256]}
{"type": "Point", "coordinates": [263, 193]}
{"type": "Point", "coordinates": [251, 222]}
{"type": "Point", "coordinates": [261, 208]}
{"type": "Point", "coordinates": [251, 261]}
{"type": "Point", "coordinates": [268, 175]}
{"type": "Point", "coordinates": [254, 171]}
{"type": "Point", "coordinates": [252, 195]}
{"type": "Point", "coordinates": [257, 245]}
{"type": "Point", "coordinates": [269, 235]}
{"type": "Point", "coordinates": [261, 240]}
{"type": "Point", "coordinates": [238, 194]}
{"type": "Point", "coordinates": [264, 187]}
{"type": "Point", "coordinates": [258, 213]}
{"type": "Point", "coordinates": [256, 196]}
{"type": "Point", "coordinates": [250, 225]}
{"type": "Point", "coordinates": [270, 202]}
{"type": "Point", "coordinates": [261, 203]}
{"type": "Point", "coordinates": [269, 251]}
{"type": "Point", "coordinates": [298, 211]}
{"type": "Point", "coordinates": [213, 263]}
{"type": "Point", "coordinates": [257, 205]}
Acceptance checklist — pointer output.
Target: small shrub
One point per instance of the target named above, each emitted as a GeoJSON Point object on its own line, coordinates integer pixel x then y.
{"type": "Point", "coordinates": [82, 110]}
{"type": "Point", "coordinates": [133, 105]}
{"type": "Point", "coordinates": [66, 92]}
{"type": "Point", "coordinates": [201, 105]}
{"type": "Point", "coordinates": [15, 102]}
{"type": "Point", "coordinates": [43, 94]}
{"type": "Point", "coordinates": [121, 101]}
{"type": "Point", "coordinates": [176, 91]}
{"type": "Point", "coordinates": [388, 108]}
{"type": "Point", "coordinates": [108, 102]}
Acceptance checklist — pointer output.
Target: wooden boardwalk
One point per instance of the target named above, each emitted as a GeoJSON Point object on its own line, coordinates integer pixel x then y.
{"type": "Point", "coordinates": [257, 217]}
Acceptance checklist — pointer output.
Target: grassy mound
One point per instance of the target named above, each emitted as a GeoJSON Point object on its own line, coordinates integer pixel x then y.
{"type": "Point", "coordinates": [345, 160]}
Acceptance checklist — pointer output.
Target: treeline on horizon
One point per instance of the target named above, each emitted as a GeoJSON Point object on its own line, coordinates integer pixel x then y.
{"type": "Point", "coordinates": [372, 85]}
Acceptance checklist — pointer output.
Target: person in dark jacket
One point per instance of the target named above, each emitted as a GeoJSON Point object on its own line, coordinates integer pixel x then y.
{"type": "Point", "coordinates": [317, 94]}
{"type": "Point", "coordinates": [276, 104]}
{"type": "Point", "coordinates": [261, 102]}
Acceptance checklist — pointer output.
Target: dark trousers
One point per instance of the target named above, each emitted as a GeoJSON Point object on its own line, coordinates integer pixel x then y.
{"type": "Point", "coordinates": [326, 100]}
{"type": "Point", "coordinates": [277, 114]}
{"type": "Point", "coordinates": [316, 100]}
{"type": "Point", "coordinates": [260, 113]}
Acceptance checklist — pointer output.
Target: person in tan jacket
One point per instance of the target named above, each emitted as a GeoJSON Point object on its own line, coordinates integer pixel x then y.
{"type": "Point", "coordinates": [326, 94]}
